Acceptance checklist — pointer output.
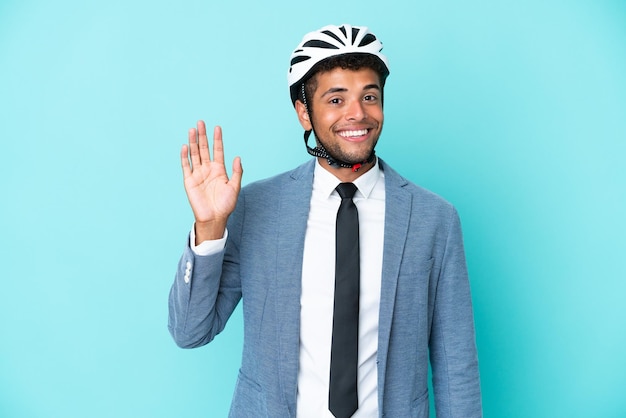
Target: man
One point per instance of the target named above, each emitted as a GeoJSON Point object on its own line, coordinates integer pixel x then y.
{"type": "Point", "coordinates": [344, 296]}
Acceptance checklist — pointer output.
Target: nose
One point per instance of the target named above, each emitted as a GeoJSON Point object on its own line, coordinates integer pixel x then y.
{"type": "Point", "coordinates": [355, 111]}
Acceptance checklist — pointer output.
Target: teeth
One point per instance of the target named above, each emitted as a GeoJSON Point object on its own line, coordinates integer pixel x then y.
{"type": "Point", "coordinates": [347, 134]}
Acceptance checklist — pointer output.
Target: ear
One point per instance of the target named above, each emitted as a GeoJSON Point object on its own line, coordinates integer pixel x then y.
{"type": "Point", "coordinates": [303, 115]}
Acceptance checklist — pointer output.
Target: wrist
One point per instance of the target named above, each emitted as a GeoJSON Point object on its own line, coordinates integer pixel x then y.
{"type": "Point", "coordinates": [209, 230]}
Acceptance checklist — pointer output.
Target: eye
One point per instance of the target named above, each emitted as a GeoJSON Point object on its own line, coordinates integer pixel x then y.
{"type": "Point", "coordinates": [370, 98]}
{"type": "Point", "coordinates": [335, 101]}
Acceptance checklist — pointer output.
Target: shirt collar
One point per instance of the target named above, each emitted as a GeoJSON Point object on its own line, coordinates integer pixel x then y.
{"type": "Point", "coordinates": [326, 182]}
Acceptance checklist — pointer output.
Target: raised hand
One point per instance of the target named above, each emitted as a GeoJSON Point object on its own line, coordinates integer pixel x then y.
{"type": "Point", "coordinates": [211, 193]}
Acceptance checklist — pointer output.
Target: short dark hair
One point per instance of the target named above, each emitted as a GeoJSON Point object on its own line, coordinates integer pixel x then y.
{"type": "Point", "coordinates": [354, 62]}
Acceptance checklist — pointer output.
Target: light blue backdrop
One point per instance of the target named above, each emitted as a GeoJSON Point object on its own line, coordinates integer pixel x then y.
{"type": "Point", "coordinates": [515, 111]}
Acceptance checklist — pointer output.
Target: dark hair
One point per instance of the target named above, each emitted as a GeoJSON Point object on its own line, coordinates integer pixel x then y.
{"type": "Point", "coordinates": [353, 61]}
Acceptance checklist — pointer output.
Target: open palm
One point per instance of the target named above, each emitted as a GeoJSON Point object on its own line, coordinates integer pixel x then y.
{"type": "Point", "coordinates": [211, 193]}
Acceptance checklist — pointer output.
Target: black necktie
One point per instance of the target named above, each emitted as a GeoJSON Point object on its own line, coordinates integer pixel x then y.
{"type": "Point", "coordinates": [342, 398]}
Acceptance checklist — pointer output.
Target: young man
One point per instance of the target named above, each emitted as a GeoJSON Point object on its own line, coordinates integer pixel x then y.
{"type": "Point", "coordinates": [345, 295]}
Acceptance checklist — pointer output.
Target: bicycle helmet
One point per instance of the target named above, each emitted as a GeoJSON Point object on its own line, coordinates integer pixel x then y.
{"type": "Point", "coordinates": [327, 42]}
{"type": "Point", "coordinates": [317, 46]}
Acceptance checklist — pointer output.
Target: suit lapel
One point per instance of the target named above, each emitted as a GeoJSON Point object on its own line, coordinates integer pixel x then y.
{"type": "Point", "coordinates": [292, 215]}
{"type": "Point", "coordinates": [398, 203]}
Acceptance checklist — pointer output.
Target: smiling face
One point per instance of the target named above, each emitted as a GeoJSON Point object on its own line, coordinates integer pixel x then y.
{"type": "Point", "coordinates": [346, 113]}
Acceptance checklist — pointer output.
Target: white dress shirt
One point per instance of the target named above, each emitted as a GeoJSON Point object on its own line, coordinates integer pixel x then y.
{"type": "Point", "coordinates": [318, 285]}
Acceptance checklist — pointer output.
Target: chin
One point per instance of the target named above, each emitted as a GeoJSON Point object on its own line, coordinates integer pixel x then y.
{"type": "Point", "coordinates": [349, 154]}
{"type": "Point", "coordinates": [352, 158]}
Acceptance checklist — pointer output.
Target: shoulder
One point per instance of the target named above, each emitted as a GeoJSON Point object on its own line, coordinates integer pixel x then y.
{"type": "Point", "coordinates": [424, 200]}
{"type": "Point", "coordinates": [269, 186]}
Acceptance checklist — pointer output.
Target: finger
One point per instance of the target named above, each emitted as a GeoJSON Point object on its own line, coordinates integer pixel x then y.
{"type": "Point", "coordinates": [184, 160]}
{"type": "Point", "coordinates": [193, 148]}
{"type": "Point", "coordinates": [203, 143]}
{"type": "Point", "coordinates": [218, 145]}
{"type": "Point", "coordinates": [235, 178]}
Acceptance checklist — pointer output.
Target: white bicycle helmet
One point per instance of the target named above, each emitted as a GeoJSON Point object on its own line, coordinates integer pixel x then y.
{"type": "Point", "coordinates": [327, 42]}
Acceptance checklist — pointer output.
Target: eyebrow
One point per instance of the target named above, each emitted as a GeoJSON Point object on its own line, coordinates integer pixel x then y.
{"type": "Point", "coordinates": [334, 90]}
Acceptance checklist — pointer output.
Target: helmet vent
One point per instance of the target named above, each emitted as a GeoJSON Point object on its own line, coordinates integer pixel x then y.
{"type": "Point", "coordinates": [355, 32]}
{"type": "Point", "coordinates": [367, 39]}
{"type": "Point", "coordinates": [332, 35]}
{"type": "Point", "coordinates": [299, 58]}
{"type": "Point", "coordinates": [316, 43]}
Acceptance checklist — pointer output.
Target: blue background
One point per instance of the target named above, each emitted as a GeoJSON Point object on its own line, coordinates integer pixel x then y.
{"type": "Point", "coordinates": [515, 111]}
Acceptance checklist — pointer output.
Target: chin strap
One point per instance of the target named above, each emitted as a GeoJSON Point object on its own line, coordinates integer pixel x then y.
{"type": "Point", "coordinates": [320, 151]}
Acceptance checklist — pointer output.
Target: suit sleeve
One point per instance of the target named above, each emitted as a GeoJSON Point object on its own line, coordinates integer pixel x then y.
{"type": "Point", "coordinates": [205, 291]}
{"type": "Point", "coordinates": [453, 354]}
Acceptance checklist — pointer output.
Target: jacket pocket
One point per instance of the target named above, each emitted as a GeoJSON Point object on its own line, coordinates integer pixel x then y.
{"type": "Point", "coordinates": [419, 407]}
{"type": "Point", "coordinates": [417, 265]}
{"type": "Point", "coordinates": [248, 400]}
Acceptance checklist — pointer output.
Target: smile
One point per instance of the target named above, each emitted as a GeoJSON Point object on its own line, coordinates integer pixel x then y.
{"type": "Point", "coordinates": [353, 134]}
